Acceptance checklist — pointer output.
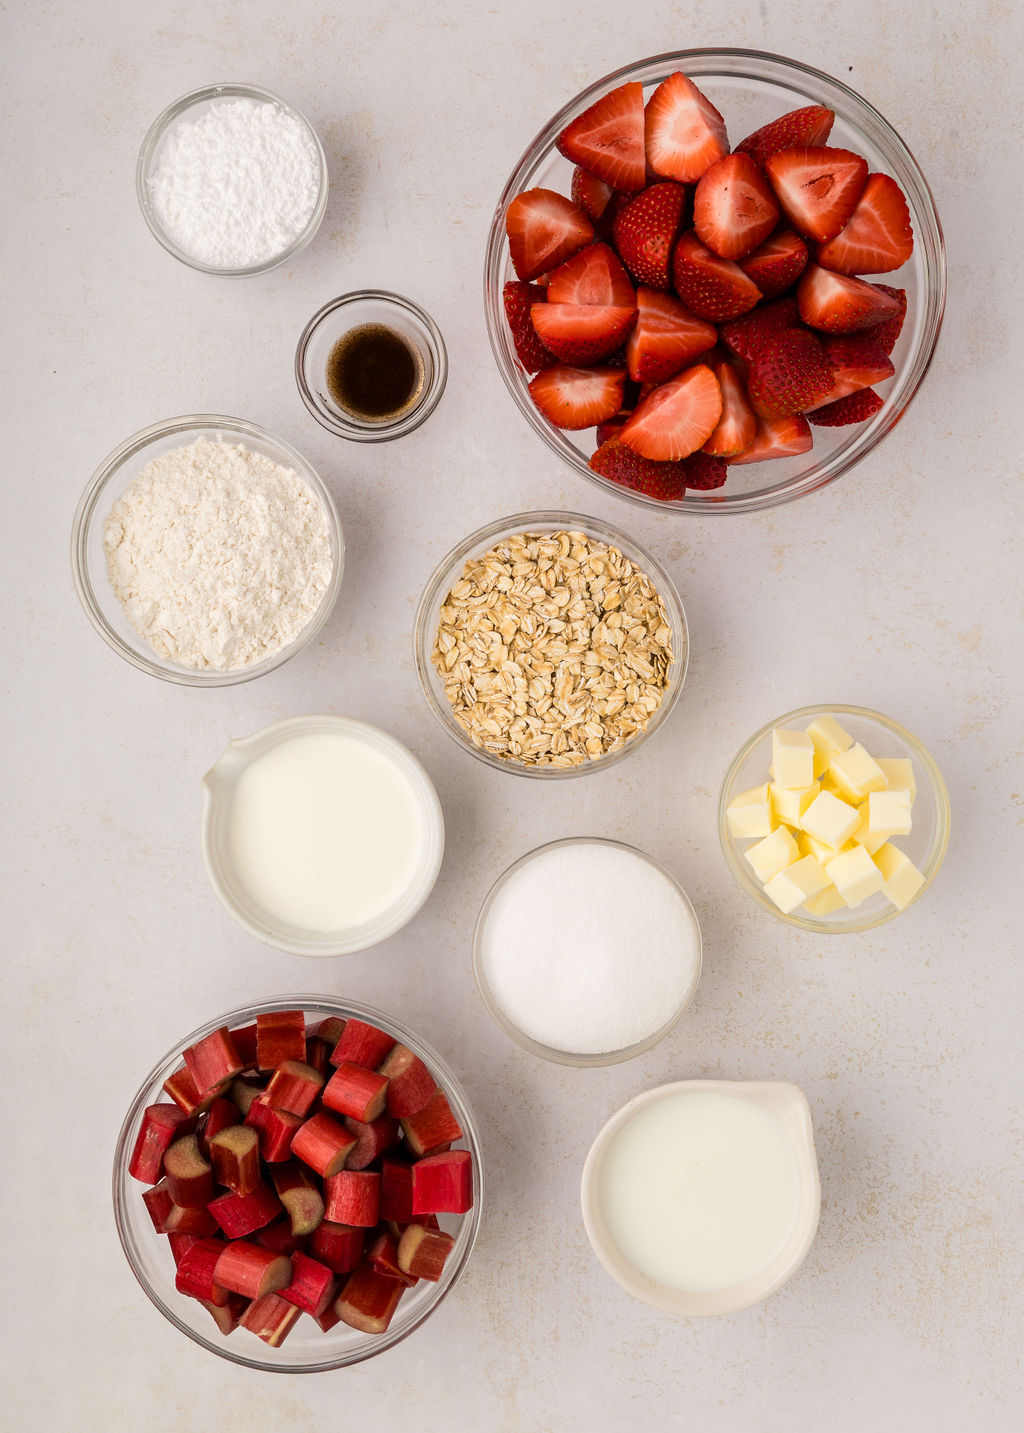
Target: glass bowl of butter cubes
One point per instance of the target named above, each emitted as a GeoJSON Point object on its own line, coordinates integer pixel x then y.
{"type": "Point", "coordinates": [834, 818]}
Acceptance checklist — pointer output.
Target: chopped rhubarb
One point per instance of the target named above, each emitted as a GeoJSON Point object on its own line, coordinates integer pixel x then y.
{"type": "Point", "coordinates": [189, 1176]}
{"type": "Point", "coordinates": [182, 1089]}
{"type": "Point", "coordinates": [276, 1128]}
{"type": "Point", "coordinates": [368, 1300]}
{"type": "Point", "coordinates": [323, 1144]}
{"type": "Point", "coordinates": [271, 1318]}
{"type": "Point", "coordinates": [396, 1190]}
{"type": "Point", "coordinates": [328, 1319]}
{"type": "Point", "coordinates": [318, 1056]}
{"type": "Point", "coordinates": [180, 1245]}
{"type": "Point", "coordinates": [279, 1237]}
{"type": "Point", "coordinates": [182, 1220]}
{"type": "Point", "coordinates": [245, 1090]}
{"type": "Point", "coordinates": [339, 1246]}
{"type": "Point", "coordinates": [300, 1194]}
{"type": "Point", "coordinates": [432, 1126]}
{"type": "Point", "coordinates": [158, 1204]}
{"type": "Point", "coordinates": [422, 1252]}
{"type": "Point", "coordinates": [443, 1183]}
{"type": "Point", "coordinates": [383, 1255]}
{"type": "Point", "coordinates": [329, 1031]}
{"type": "Point", "coordinates": [195, 1273]}
{"type": "Point", "coordinates": [222, 1114]}
{"type": "Point", "coordinates": [361, 1044]}
{"type": "Point", "coordinates": [355, 1091]}
{"type": "Point", "coordinates": [293, 1087]}
{"type": "Point", "coordinates": [371, 1140]}
{"type": "Point", "coordinates": [245, 1043]}
{"type": "Point", "coordinates": [312, 1285]}
{"type": "Point", "coordinates": [353, 1197]}
{"type": "Point", "coordinates": [280, 1035]}
{"type": "Point", "coordinates": [214, 1061]}
{"type": "Point", "coordinates": [235, 1155]}
{"type": "Point", "coordinates": [246, 1269]}
{"type": "Point", "coordinates": [241, 1214]}
{"type": "Point", "coordinates": [227, 1318]}
{"type": "Point", "coordinates": [410, 1083]}
{"type": "Point", "coordinates": [161, 1125]}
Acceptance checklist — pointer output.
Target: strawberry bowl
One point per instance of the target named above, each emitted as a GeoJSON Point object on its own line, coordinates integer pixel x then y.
{"type": "Point", "coordinates": [749, 91]}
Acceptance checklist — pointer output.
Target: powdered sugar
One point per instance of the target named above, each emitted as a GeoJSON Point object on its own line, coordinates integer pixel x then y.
{"type": "Point", "coordinates": [237, 186]}
{"type": "Point", "coordinates": [218, 555]}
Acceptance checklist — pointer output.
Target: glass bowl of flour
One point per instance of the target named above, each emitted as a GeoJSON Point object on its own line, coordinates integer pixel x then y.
{"type": "Point", "coordinates": [206, 551]}
{"type": "Point", "coordinates": [232, 180]}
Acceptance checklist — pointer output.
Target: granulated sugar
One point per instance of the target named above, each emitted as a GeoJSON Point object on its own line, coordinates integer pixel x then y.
{"type": "Point", "coordinates": [589, 948]}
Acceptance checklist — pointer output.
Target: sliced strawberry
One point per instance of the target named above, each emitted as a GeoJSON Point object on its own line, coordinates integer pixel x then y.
{"type": "Point", "coordinates": [878, 236]}
{"type": "Point", "coordinates": [664, 481]}
{"type": "Point", "coordinates": [857, 362]}
{"type": "Point", "coordinates": [591, 195]}
{"type": "Point", "coordinates": [704, 472]}
{"type": "Point", "coordinates": [777, 264]}
{"type": "Point", "coordinates": [684, 133]}
{"type": "Point", "coordinates": [888, 331]}
{"type": "Point", "coordinates": [645, 229]}
{"type": "Point", "coordinates": [666, 338]}
{"type": "Point", "coordinates": [734, 208]}
{"type": "Point", "coordinates": [818, 188]}
{"type": "Point", "coordinates": [854, 408]}
{"type": "Point", "coordinates": [519, 299]}
{"type": "Point", "coordinates": [747, 335]}
{"type": "Point", "coordinates": [676, 417]}
{"type": "Point", "coordinates": [593, 276]}
{"type": "Point", "coordinates": [838, 303]}
{"type": "Point", "coordinates": [777, 438]}
{"type": "Point", "coordinates": [799, 129]}
{"type": "Point", "coordinates": [738, 424]}
{"type": "Point", "coordinates": [607, 140]}
{"type": "Point", "coordinates": [582, 333]}
{"type": "Point", "coordinates": [713, 288]}
{"type": "Point", "coordinates": [790, 374]}
{"type": "Point", "coordinates": [544, 229]}
{"type": "Point", "coordinates": [578, 397]}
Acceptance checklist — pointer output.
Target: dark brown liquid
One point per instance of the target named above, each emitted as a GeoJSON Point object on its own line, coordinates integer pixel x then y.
{"type": "Point", "coordinates": [373, 373]}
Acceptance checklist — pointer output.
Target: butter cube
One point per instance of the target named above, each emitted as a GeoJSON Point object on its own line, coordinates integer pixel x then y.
{"type": "Point", "coordinates": [828, 739]}
{"type": "Point", "coordinates": [854, 875]}
{"type": "Point", "coordinates": [830, 820]}
{"type": "Point", "coordinates": [770, 855]}
{"type": "Point", "coordinates": [889, 813]}
{"type": "Point", "coordinates": [811, 846]}
{"type": "Point", "coordinates": [750, 813]}
{"type": "Point", "coordinates": [899, 773]}
{"type": "Point", "coordinates": [791, 886]}
{"type": "Point", "coordinates": [862, 836]}
{"type": "Point", "coordinates": [824, 903]}
{"type": "Point", "coordinates": [856, 773]}
{"type": "Point", "coordinates": [792, 758]}
{"type": "Point", "coordinates": [900, 877]}
{"type": "Point", "coordinates": [790, 802]}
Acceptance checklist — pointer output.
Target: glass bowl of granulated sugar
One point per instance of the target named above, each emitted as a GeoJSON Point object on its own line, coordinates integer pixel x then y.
{"type": "Point", "coordinates": [206, 551]}
{"type": "Point", "coordinates": [232, 180]}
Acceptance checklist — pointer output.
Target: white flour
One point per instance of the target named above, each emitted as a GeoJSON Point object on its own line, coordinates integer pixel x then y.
{"type": "Point", "coordinates": [237, 186]}
{"type": "Point", "coordinates": [218, 555]}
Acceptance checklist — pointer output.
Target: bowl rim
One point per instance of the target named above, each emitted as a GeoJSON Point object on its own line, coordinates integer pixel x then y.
{"type": "Point", "coordinates": [226, 89]}
{"type": "Point", "coordinates": [325, 1005]}
{"type": "Point", "coordinates": [865, 439]}
{"type": "Point", "coordinates": [930, 769]}
{"type": "Point", "coordinates": [425, 626]}
{"type": "Point", "coordinates": [85, 512]}
{"type": "Point", "coordinates": [550, 1052]}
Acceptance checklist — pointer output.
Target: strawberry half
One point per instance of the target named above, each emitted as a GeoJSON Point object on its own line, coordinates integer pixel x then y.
{"type": "Point", "coordinates": [738, 424]}
{"type": "Point", "coordinates": [778, 263]}
{"type": "Point", "coordinates": [593, 276]}
{"type": "Point", "coordinates": [582, 333]}
{"type": "Point", "coordinates": [854, 408]}
{"type": "Point", "coordinates": [857, 362]}
{"type": "Point", "coordinates": [734, 208]}
{"type": "Point", "coordinates": [799, 129]}
{"type": "Point", "coordinates": [519, 299]}
{"type": "Point", "coordinates": [818, 188]}
{"type": "Point", "coordinates": [704, 472]}
{"type": "Point", "coordinates": [889, 330]}
{"type": "Point", "coordinates": [666, 338]}
{"type": "Point", "coordinates": [777, 438]}
{"type": "Point", "coordinates": [645, 230]}
{"type": "Point", "coordinates": [838, 303]}
{"type": "Point", "coordinates": [790, 374]}
{"type": "Point", "coordinates": [544, 229]}
{"type": "Point", "coordinates": [677, 417]}
{"type": "Point", "coordinates": [683, 131]}
{"type": "Point", "coordinates": [592, 195]}
{"type": "Point", "coordinates": [713, 288]}
{"type": "Point", "coordinates": [878, 237]}
{"type": "Point", "coordinates": [665, 482]}
{"type": "Point", "coordinates": [747, 335]}
{"type": "Point", "coordinates": [607, 140]}
{"type": "Point", "coordinates": [578, 397]}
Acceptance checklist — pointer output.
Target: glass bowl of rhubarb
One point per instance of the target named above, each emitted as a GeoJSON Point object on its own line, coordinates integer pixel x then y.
{"type": "Point", "coordinates": [748, 91]}
{"type": "Point", "coordinates": [272, 1177]}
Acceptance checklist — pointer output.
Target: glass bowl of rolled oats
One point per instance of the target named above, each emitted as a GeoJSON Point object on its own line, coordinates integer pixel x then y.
{"type": "Point", "coordinates": [550, 644]}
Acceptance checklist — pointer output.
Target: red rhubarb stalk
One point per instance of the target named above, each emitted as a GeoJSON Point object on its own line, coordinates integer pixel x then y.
{"type": "Point", "coordinates": [195, 1274]}
{"type": "Point", "coordinates": [323, 1144]}
{"type": "Point", "coordinates": [242, 1214]}
{"type": "Point", "coordinates": [396, 1190]}
{"type": "Point", "coordinates": [353, 1197]}
{"type": "Point", "coordinates": [432, 1126]}
{"type": "Point", "coordinates": [189, 1176]}
{"type": "Point", "coordinates": [355, 1091]}
{"type": "Point", "coordinates": [271, 1318]}
{"type": "Point", "coordinates": [280, 1035]}
{"type": "Point", "coordinates": [246, 1269]}
{"type": "Point", "coordinates": [410, 1083]}
{"type": "Point", "coordinates": [312, 1285]}
{"type": "Point", "coordinates": [214, 1061]}
{"type": "Point", "coordinates": [423, 1252]}
{"type": "Point", "coordinates": [276, 1128]}
{"type": "Point", "coordinates": [368, 1300]}
{"type": "Point", "coordinates": [161, 1125]}
{"type": "Point", "coordinates": [293, 1087]}
{"type": "Point", "coordinates": [339, 1246]}
{"type": "Point", "coordinates": [361, 1044]}
{"type": "Point", "coordinates": [443, 1183]}
{"type": "Point", "coordinates": [371, 1140]}
{"type": "Point", "coordinates": [300, 1194]}
{"type": "Point", "coordinates": [235, 1155]}
{"type": "Point", "coordinates": [227, 1318]}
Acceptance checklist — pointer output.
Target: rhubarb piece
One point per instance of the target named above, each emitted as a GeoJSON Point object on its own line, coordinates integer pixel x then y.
{"type": "Point", "coordinates": [353, 1197]}
{"type": "Point", "coordinates": [158, 1204]}
{"type": "Point", "coordinates": [245, 1043]}
{"type": "Point", "coordinates": [161, 1125]}
{"type": "Point", "coordinates": [195, 1272]}
{"type": "Point", "coordinates": [422, 1252]}
{"type": "Point", "coordinates": [293, 1087]}
{"type": "Point", "coordinates": [271, 1318]}
{"type": "Point", "coordinates": [318, 1056]}
{"type": "Point", "coordinates": [276, 1129]}
{"type": "Point", "coordinates": [235, 1155]}
{"type": "Point", "coordinates": [227, 1318]}
{"type": "Point", "coordinates": [368, 1300]}
{"type": "Point", "coordinates": [328, 1319]}
{"type": "Point", "coordinates": [214, 1061]}
{"type": "Point", "coordinates": [180, 1244]}
{"type": "Point", "coordinates": [410, 1083]}
{"type": "Point", "coordinates": [371, 1140]}
{"type": "Point", "coordinates": [299, 1193]}
{"type": "Point", "coordinates": [323, 1144]}
{"type": "Point", "coordinates": [339, 1246]}
{"type": "Point", "coordinates": [431, 1126]}
{"type": "Point", "coordinates": [182, 1089]}
{"type": "Point", "coordinates": [245, 1090]}
{"type": "Point", "coordinates": [330, 1030]}
{"type": "Point", "coordinates": [280, 1035]}
{"type": "Point", "coordinates": [222, 1114]}
{"type": "Point", "coordinates": [356, 1091]}
{"type": "Point", "coordinates": [361, 1044]}
{"type": "Point", "coordinates": [241, 1214]}
{"type": "Point", "coordinates": [312, 1285]}
{"type": "Point", "coordinates": [382, 1255]}
{"type": "Point", "coordinates": [443, 1183]}
{"type": "Point", "coordinates": [182, 1220]}
{"type": "Point", "coordinates": [279, 1238]}
{"type": "Point", "coordinates": [246, 1269]}
{"type": "Point", "coordinates": [396, 1191]}
{"type": "Point", "coordinates": [189, 1176]}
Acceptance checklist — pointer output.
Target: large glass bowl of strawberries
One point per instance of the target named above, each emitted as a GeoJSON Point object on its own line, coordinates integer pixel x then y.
{"type": "Point", "coordinates": [715, 280]}
{"type": "Point", "coordinates": [297, 1184]}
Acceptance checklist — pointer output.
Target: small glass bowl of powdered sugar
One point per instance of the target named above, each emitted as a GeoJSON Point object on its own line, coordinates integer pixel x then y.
{"type": "Point", "coordinates": [586, 951]}
{"type": "Point", "coordinates": [232, 180]}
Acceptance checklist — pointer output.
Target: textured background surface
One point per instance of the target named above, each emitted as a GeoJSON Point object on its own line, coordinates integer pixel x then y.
{"type": "Point", "coordinates": [898, 588]}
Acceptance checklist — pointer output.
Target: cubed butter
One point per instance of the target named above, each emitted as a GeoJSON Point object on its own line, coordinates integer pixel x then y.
{"type": "Point", "coordinates": [856, 773]}
{"type": "Point", "coordinates": [830, 819]}
{"type": "Point", "coordinates": [792, 758]}
{"type": "Point", "coordinates": [899, 773]}
{"type": "Point", "coordinates": [862, 836]}
{"type": "Point", "coordinates": [854, 875]}
{"type": "Point", "coordinates": [811, 846]}
{"type": "Point", "coordinates": [828, 739]}
{"type": "Point", "coordinates": [889, 813]}
{"type": "Point", "coordinates": [901, 880]}
{"type": "Point", "coordinates": [750, 814]}
{"type": "Point", "coordinates": [790, 802]}
{"type": "Point", "coordinates": [791, 886]}
{"type": "Point", "coordinates": [770, 855]}
{"type": "Point", "coordinates": [825, 902]}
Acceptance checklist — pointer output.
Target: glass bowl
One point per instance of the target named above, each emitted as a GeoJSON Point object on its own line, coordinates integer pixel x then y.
{"type": "Point", "coordinates": [307, 1350]}
{"type": "Point", "coordinates": [750, 88]}
{"type": "Point", "coordinates": [192, 106]}
{"type": "Point", "coordinates": [549, 1052]}
{"type": "Point", "coordinates": [88, 557]}
{"type": "Point", "coordinates": [448, 571]}
{"type": "Point", "coordinates": [882, 737]}
{"type": "Point", "coordinates": [340, 316]}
